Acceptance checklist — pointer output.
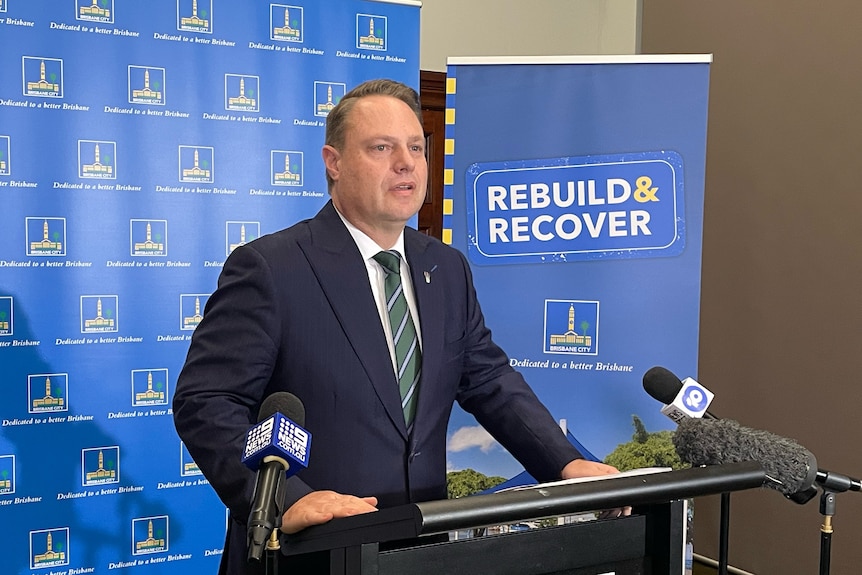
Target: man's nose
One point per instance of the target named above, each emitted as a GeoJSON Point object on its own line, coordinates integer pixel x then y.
{"type": "Point", "coordinates": [403, 159]}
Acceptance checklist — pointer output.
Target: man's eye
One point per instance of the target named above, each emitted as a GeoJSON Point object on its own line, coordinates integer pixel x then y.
{"type": "Point", "coordinates": [380, 147]}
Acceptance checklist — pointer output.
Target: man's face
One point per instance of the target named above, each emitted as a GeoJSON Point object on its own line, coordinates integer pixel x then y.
{"type": "Point", "coordinates": [380, 174]}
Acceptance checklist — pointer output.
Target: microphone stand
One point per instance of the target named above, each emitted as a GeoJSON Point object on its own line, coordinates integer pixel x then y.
{"type": "Point", "coordinates": [831, 483]}
{"type": "Point", "coordinates": [723, 533]}
{"type": "Point", "coordinates": [827, 509]}
{"type": "Point", "coordinates": [273, 550]}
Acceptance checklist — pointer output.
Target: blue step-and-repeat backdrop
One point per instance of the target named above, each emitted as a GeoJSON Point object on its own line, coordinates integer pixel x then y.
{"type": "Point", "coordinates": [140, 142]}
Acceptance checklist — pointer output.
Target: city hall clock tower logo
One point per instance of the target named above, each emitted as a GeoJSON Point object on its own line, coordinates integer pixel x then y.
{"type": "Point", "coordinates": [100, 465]}
{"type": "Point", "coordinates": [240, 233]}
{"type": "Point", "coordinates": [43, 77]}
{"type": "Point", "coordinates": [99, 313]}
{"type": "Point", "coordinates": [5, 162]}
{"type": "Point", "coordinates": [149, 535]}
{"type": "Point", "coordinates": [286, 167]}
{"type": "Point", "coordinates": [194, 16]}
{"type": "Point", "coordinates": [6, 322]}
{"type": "Point", "coordinates": [286, 23]}
{"type": "Point", "coordinates": [196, 164]}
{"type": "Point", "coordinates": [149, 387]}
{"type": "Point", "coordinates": [572, 327]}
{"type": "Point", "coordinates": [242, 93]}
{"type": "Point", "coordinates": [146, 85]}
{"type": "Point", "coordinates": [371, 32]}
{"type": "Point", "coordinates": [45, 236]}
{"type": "Point", "coordinates": [48, 392]}
{"type": "Point", "coordinates": [49, 548]}
{"type": "Point", "coordinates": [97, 159]}
{"type": "Point", "coordinates": [326, 96]}
{"type": "Point", "coordinates": [7, 474]}
{"type": "Point", "coordinates": [188, 467]}
{"type": "Point", "coordinates": [192, 309]}
{"type": "Point", "coordinates": [96, 11]}
{"type": "Point", "coordinates": [148, 237]}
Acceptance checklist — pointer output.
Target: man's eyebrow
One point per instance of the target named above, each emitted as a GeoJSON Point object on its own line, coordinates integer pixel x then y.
{"type": "Point", "coordinates": [393, 139]}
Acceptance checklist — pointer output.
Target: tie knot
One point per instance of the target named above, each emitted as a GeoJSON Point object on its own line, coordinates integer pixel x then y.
{"type": "Point", "coordinates": [390, 260]}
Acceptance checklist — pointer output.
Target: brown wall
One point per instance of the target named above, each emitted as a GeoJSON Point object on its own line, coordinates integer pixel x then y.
{"type": "Point", "coordinates": [781, 314]}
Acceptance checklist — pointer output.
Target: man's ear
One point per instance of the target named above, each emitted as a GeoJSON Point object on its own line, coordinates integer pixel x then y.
{"type": "Point", "coordinates": [332, 161]}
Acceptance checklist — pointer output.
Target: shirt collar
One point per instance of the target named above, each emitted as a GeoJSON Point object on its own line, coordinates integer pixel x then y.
{"type": "Point", "coordinates": [368, 247]}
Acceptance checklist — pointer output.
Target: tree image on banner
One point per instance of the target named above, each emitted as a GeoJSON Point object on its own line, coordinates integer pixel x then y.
{"type": "Point", "coordinates": [645, 450]}
{"type": "Point", "coordinates": [469, 481]}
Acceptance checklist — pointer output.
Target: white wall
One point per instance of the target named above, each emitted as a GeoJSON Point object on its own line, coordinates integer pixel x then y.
{"type": "Point", "coordinates": [533, 28]}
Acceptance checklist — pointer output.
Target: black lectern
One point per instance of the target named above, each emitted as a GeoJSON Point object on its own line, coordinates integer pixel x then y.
{"type": "Point", "coordinates": [390, 541]}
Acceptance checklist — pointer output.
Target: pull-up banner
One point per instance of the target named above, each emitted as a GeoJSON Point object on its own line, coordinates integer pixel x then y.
{"type": "Point", "coordinates": [140, 143]}
{"type": "Point", "coordinates": [575, 185]}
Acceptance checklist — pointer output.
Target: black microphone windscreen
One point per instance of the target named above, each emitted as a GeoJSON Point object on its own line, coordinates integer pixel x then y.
{"type": "Point", "coordinates": [790, 468]}
{"type": "Point", "coordinates": [284, 403]}
{"type": "Point", "coordinates": [662, 384]}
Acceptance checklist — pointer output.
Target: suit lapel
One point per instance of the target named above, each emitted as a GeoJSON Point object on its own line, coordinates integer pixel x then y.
{"type": "Point", "coordinates": [342, 275]}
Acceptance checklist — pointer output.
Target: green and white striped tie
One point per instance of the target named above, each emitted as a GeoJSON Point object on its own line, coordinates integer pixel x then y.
{"type": "Point", "coordinates": [408, 356]}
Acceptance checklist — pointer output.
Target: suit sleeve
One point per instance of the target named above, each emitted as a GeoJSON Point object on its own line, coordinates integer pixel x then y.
{"type": "Point", "coordinates": [225, 377]}
{"type": "Point", "coordinates": [502, 401]}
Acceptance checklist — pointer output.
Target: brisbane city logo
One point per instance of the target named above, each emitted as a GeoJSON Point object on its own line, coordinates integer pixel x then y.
{"type": "Point", "coordinates": [7, 474]}
{"type": "Point", "coordinates": [49, 548]}
{"type": "Point", "coordinates": [286, 167]}
{"type": "Point", "coordinates": [242, 93]}
{"type": "Point", "coordinates": [6, 323]}
{"type": "Point", "coordinates": [240, 233]}
{"type": "Point", "coordinates": [43, 77]}
{"type": "Point", "coordinates": [285, 23]}
{"type": "Point", "coordinates": [194, 16]}
{"type": "Point", "coordinates": [326, 96]}
{"type": "Point", "coordinates": [148, 237]}
{"type": "Point", "coordinates": [45, 236]}
{"type": "Point", "coordinates": [146, 85]}
{"type": "Point", "coordinates": [371, 32]}
{"type": "Point", "coordinates": [48, 392]}
{"type": "Point", "coordinates": [92, 11]}
{"type": "Point", "coordinates": [150, 535]}
{"type": "Point", "coordinates": [5, 160]}
{"type": "Point", "coordinates": [571, 327]}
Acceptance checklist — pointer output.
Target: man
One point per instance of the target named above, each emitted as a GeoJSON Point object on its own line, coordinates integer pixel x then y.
{"type": "Point", "coordinates": [305, 310]}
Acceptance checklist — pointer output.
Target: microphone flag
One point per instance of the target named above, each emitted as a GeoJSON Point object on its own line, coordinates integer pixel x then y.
{"type": "Point", "coordinates": [691, 402]}
{"type": "Point", "coordinates": [277, 436]}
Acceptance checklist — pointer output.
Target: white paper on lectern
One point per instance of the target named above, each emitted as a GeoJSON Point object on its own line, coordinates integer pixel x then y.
{"type": "Point", "coordinates": [630, 473]}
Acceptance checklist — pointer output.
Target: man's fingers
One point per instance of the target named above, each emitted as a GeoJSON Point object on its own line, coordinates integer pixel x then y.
{"type": "Point", "coordinates": [321, 506]}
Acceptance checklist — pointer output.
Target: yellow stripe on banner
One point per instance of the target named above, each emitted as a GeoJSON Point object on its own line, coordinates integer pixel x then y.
{"type": "Point", "coordinates": [447, 206]}
{"type": "Point", "coordinates": [450, 116]}
{"type": "Point", "coordinates": [450, 85]}
{"type": "Point", "coordinates": [449, 147]}
{"type": "Point", "coordinates": [448, 177]}
{"type": "Point", "coordinates": [447, 237]}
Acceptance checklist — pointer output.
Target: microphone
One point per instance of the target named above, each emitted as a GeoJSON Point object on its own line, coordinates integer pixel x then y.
{"type": "Point", "coordinates": [277, 447]}
{"type": "Point", "coordinates": [682, 399]}
{"type": "Point", "coordinates": [800, 468]}
{"type": "Point", "coordinates": [790, 468]}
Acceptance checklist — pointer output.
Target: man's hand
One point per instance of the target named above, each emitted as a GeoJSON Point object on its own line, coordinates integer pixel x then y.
{"type": "Point", "coordinates": [321, 506]}
{"type": "Point", "coordinates": [583, 468]}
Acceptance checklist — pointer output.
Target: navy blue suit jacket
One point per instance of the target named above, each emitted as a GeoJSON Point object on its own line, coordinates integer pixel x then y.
{"type": "Point", "coordinates": [294, 312]}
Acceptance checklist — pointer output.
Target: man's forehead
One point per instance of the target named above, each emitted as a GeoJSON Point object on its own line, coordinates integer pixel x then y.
{"type": "Point", "coordinates": [376, 119]}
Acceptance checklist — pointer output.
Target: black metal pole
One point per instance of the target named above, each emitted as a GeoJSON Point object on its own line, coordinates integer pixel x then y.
{"type": "Point", "coordinates": [724, 534]}
{"type": "Point", "coordinates": [273, 550]}
{"type": "Point", "coordinates": [827, 509]}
